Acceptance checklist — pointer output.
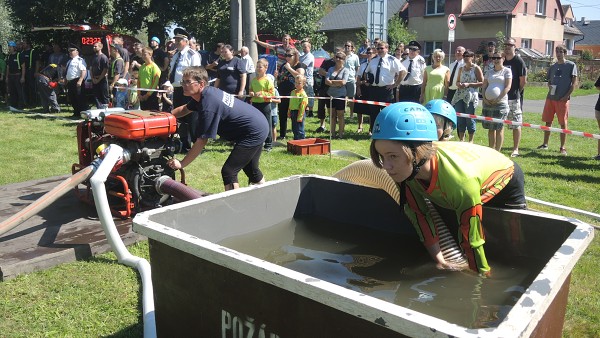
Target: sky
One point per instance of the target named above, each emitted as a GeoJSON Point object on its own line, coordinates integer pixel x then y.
{"type": "Point", "coordinates": [590, 9]}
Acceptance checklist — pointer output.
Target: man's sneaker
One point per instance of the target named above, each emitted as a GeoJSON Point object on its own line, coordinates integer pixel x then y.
{"type": "Point", "coordinates": [597, 157]}
{"type": "Point", "coordinates": [563, 151]}
{"type": "Point", "coordinates": [543, 147]}
{"type": "Point", "coordinates": [320, 130]}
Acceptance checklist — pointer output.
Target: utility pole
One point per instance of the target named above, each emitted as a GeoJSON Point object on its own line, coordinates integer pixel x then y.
{"type": "Point", "coordinates": [249, 24]}
{"type": "Point", "coordinates": [236, 24]}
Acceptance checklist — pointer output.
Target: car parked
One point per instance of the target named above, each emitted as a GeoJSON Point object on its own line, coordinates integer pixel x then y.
{"type": "Point", "coordinates": [320, 56]}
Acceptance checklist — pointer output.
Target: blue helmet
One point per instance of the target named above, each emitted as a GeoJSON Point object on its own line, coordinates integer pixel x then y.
{"type": "Point", "coordinates": [405, 121]}
{"type": "Point", "coordinates": [442, 108]}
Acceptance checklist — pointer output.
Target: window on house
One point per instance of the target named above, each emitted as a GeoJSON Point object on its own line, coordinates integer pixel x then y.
{"type": "Point", "coordinates": [555, 13]}
{"type": "Point", "coordinates": [524, 8]}
{"type": "Point", "coordinates": [525, 43]}
{"type": "Point", "coordinates": [430, 46]}
{"type": "Point", "coordinates": [550, 48]}
{"type": "Point", "coordinates": [435, 7]}
{"type": "Point", "coordinates": [570, 46]}
{"type": "Point", "coordinates": [540, 7]}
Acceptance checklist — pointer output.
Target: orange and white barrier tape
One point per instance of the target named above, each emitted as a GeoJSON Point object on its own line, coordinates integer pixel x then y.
{"type": "Point", "coordinates": [532, 126]}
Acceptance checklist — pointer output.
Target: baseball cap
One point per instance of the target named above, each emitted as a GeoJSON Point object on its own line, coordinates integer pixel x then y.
{"type": "Point", "coordinates": [12, 44]}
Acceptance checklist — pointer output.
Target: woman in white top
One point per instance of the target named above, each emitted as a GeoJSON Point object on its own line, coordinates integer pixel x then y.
{"type": "Point", "coordinates": [495, 100]}
{"type": "Point", "coordinates": [466, 98]}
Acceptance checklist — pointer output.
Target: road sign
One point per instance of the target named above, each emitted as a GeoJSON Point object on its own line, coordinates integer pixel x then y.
{"type": "Point", "coordinates": [450, 36]}
{"type": "Point", "coordinates": [451, 22]}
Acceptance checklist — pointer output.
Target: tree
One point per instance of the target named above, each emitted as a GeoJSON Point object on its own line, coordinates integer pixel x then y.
{"type": "Point", "coordinates": [295, 17]}
{"type": "Point", "coordinates": [6, 25]}
{"type": "Point", "coordinates": [207, 20]}
{"type": "Point", "coordinates": [398, 32]}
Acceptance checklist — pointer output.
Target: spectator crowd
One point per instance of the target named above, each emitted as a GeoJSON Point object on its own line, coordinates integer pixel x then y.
{"type": "Point", "coordinates": [150, 78]}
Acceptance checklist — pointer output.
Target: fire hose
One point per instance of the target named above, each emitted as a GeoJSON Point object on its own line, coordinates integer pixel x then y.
{"type": "Point", "coordinates": [48, 198]}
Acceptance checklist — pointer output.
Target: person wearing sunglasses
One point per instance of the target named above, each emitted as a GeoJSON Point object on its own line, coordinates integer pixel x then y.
{"type": "Point", "coordinates": [466, 98]}
{"type": "Point", "coordinates": [286, 82]}
{"type": "Point", "coordinates": [388, 73]}
{"type": "Point", "coordinates": [336, 79]}
{"type": "Point", "coordinates": [496, 85]}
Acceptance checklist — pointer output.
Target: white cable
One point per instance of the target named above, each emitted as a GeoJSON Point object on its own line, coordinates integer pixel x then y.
{"type": "Point", "coordinates": [558, 206]}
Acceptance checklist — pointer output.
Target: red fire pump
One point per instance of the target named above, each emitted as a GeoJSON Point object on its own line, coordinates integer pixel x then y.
{"type": "Point", "coordinates": [149, 139]}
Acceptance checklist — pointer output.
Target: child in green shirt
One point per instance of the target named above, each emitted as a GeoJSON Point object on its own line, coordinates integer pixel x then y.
{"type": "Point", "coordinates": [298, 104]}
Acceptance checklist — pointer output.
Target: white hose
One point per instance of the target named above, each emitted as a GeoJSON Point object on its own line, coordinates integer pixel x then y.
{"type": "Point", "coordinates": [558, 206]}
{"type": "Point", "coordinates": [115, 153]}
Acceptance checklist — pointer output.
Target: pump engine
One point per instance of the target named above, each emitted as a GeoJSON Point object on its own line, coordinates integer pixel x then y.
{"type": "Point", "coordinates": [149, 140]}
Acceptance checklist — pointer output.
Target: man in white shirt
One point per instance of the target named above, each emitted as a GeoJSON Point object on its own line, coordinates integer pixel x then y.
{"type": "Point", "coordinates": [75, 75]}
{"type": "Point", "coordinates": [249, 64]}
{"type": "Point", "coordinates": [308, 59]}
{"type": "Point", "coordinates": [454, 67]}
{"type": "Point", "coordinates": [410, 89]}
{"type": "Point", "coordinates": [184, 57]}
{"type": "Point", "coordinates": [387, 73]}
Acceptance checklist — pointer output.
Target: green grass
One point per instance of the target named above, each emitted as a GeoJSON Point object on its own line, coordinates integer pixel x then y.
{"type": "Point", "coordinates": [540, 92]}
{"type": "Point", "coordinates": [99, 297]}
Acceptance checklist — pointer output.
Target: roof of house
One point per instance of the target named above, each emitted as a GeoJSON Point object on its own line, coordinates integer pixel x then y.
{"type": "Point", "coordinates": [531, 53]}
{"type": "Point", "coordinates": [573, 30]}
{"type": "Point", "coordinates": [354, 15]}
{"type": "Point", "coordinates": [590, 30]}
{"type": "Point", "coordinates": [487, 8]}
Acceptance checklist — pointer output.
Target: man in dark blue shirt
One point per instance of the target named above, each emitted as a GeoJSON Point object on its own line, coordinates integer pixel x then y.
{"type": "Point", "coordinates": [220, 113]}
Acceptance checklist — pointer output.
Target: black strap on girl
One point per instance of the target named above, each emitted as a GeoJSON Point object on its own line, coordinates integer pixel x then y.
{"type": "Point", "coordinates": [415, 170]}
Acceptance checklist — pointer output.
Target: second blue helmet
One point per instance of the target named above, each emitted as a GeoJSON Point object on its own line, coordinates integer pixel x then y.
{"type": "Point", "coordinates": [405, 121]}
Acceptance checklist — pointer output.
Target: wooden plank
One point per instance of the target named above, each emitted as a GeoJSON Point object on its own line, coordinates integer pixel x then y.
{"type": "Point", "coordinates": [66, 231]}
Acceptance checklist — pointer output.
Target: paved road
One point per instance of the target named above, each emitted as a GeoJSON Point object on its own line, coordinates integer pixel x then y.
{"type": "Point", "coordinates": [580, 106]}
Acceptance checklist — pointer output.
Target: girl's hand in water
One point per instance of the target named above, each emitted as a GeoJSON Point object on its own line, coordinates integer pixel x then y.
{"type": "Point", "coordinates": [451, 266]}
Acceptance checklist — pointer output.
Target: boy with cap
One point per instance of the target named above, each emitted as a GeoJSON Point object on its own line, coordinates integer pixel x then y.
{"type": "Point", "coordinates": [15, 77]}
{"type": "Point", "coordinates": [161, 58]}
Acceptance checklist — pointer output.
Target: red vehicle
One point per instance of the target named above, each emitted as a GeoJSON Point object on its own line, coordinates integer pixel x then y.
{"type": "Point", "coordinates": [83, 36]}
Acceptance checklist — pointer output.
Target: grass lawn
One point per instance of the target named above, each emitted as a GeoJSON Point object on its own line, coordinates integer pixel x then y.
{"type": "Point", "coordinates": [99, 297]}
{"type": "Point", "coordinates": [540, 92]}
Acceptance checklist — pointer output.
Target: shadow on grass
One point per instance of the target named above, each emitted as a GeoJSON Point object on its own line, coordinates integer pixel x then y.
{"type": "Point", "coordinates": [130, 331]}
{"type": "Point", "coordinates": [136, 330]}
{"type": "Point", "coordinates": [570, 163]}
